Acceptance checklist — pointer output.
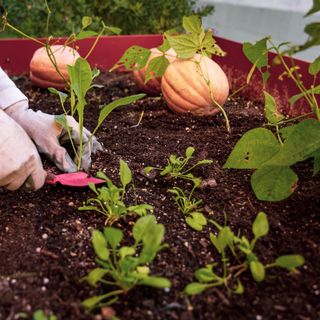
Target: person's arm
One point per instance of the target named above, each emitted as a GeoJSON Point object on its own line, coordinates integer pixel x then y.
{"type": "Point", "coordinates": [42, 128]}
{"type": "Point", "coordinates": [20, 163]}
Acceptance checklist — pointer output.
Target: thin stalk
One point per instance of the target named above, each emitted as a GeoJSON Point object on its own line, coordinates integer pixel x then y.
{"type": "Point", "coordinates": [24, 34]}
{"type": "Point", "coordinates": [298, 83]}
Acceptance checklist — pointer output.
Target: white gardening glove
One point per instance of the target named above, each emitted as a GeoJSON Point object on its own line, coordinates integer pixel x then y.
{"type": "Point", "coordinates": [20, 162]}
{"type": "Point", "coordinates": [48, 136]}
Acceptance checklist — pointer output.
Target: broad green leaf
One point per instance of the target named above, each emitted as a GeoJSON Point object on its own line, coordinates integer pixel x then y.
{"type": "Point", "coordinates": [125, 174]}
{"type": "Point", "coordinates": [156, 68]}
{"type": "Point", "coordinates": [239, 289]}
{"type": "Point", "coordinates": [196, 221]}
{"type": "Point", "coordinates": [195, 288]}
{"type": "Point", "coordinates": [315, 8]}
{"type": "Point", "coordinates": [96, 275]}
{"type": "Point", "coordinates": [209, 46]}
{"type": "Point", "coordinates": [62, 120]}
{"type": "Point", "coordinates": [107, 109]}
{"type": "Point", "coordinates": [165, 46]}
{"type": "Point", "coordinates": [100, 245]}
{"type": "Point", "coordinates": [62, 96]}
{"type": "Point", "coordinates": [257, 270]}
{"type": "Point", "coordinates": [126, 251]}
{"type": "Point", "coordinates": [152, 240]}
{"type": "Point", "coordinates": [86, 21]}
{"type": "Point", "coordinates": [102, 175]}
{"type": "Point", "coordinates": [39, 315]}
{"type": "Point", "coordinates": [134, 58]}
{"type": "Point", "coordinates": [290, 262]}
{"type": "Point", "coordinates": [206, 274]}
{"type": "Point", "coordinates": [270, 109]}
{"type": "Point", "coordinates": [141, 226]}
{"type": "Point", "coordinates": [192, 24]}
{"type": "Point", "coordinates": [112, 30]}
{"type": "Point", "coordinates": [147, 170]}
{"type": "Point", "coordinates": [316, 163]}
{"type": "Point", "coordinates": [93, 301]}
{"type": "Point", "coordinates": [313, 30]}
{"type": "Point", "coordinates": [86, 34]}
{"type": "Point", "coordinates": [189, 152]}
{"type": "Point", "coordinates": [81, 78]}
{"type": "Point", "coordinates": [113, 236]}
{"type": "Point", "coordinates": [314, 67]}
{"type": "Point", "coordinates": [224, 238]}
{"type": "Point", "coordinates": [274, 183]}
{"type": "Point", "coordinates": [141, 209]}
{"type": "Point", "coordinates": [295, 98]}
{"type": "Point", "coordinates": [260, 225]}
{"type": "Point", "coordinates": [254, 148]}
{"type": "Point", "coordinates": [286, 131]}
{"type": "Point", "coordinates": [301, 143]}
{"type": "Point", "coordinates": [156, 282]}
{"type": "Point", "coordinates": [257, 53]}
{"type": "Point", "coordinates": [185, 45]}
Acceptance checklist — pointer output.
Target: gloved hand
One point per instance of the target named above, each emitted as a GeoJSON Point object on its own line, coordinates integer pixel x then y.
{"type": "Point", "coordinates": [20, 161]}
{"type": "Point", "coordinates": [48, 136]}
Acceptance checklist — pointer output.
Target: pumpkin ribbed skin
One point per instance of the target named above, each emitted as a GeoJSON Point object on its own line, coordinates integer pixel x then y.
{"type": "Point", "coordinates": [185, 86]}
{"type": "Point", "coordinates": [43, 73]}
{"type": "Point", "coordinates": [153, 86]}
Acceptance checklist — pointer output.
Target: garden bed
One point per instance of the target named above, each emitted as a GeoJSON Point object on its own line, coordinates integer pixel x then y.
{"type": "Point", "coordinates": [45, 244]}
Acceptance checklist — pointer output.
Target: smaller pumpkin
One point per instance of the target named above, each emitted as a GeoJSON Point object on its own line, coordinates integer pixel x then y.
{"type": "Point", "coordinates": [195, 85]}
{"type": "Point", "coordinates": [153, 86]}
{"type": "Point", "coordinates": [42, 71]}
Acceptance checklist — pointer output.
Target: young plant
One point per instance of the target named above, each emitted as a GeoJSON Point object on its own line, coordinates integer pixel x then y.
{"type": "Point", "coordinates": [176, 166]}
{"type": "Point", "coordinates": [81, 81]}
{"type": "Point", "coordinates": [189, 206]}
{"type": "Point", "coordinates": [272, 153]}
{"type": "Point", "coordinates": [242, 250]}
{"type": "Point", "coordinates": [122, 268]}
{"type": "Point", "coordinates": [109, 200]}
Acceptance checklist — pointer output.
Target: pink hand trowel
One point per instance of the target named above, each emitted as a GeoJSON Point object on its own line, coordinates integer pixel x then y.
{"type": "Point", "coordinates": [74, 179]}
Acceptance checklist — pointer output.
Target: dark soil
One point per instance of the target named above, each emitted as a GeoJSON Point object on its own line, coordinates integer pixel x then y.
{"type": "Point", "coordinates": [45, 241]}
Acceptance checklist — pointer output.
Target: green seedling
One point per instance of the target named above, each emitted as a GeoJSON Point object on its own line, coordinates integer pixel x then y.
{"type": "Point", "coordinates": [121, 268]}
{"type": "Point", "coordinates": [37, 315]}
{"type": "Point", "coordinates": [242, 250]}
{"type": "Point", "coordinates": [109, 199]}
{"type": "Point", "coordinates": [272, 153]}
{"type": "Point", "coordinates": [176, 166]}
{"type": "Point", "coordinates": [190, 207]}
{"type": "Point", "coordinates": [81, 81]}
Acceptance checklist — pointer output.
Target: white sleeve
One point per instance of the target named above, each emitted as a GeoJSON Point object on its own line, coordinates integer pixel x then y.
{"type": "Point", "coordinates": [9, 93]}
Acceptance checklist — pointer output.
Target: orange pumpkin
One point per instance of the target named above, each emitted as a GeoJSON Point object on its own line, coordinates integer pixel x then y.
{"type": "Point", "coordinates": [195, 85]}
{"type": "Point", "coordinates": [153, 86]}
{"type": "Point", "coordinates": [42, 71]}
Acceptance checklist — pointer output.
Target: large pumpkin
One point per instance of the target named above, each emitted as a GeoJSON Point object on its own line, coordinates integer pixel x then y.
{"type": "Point", "coordinates": [195, 85]}
{"type": "Point", "coordinates": [153, 86]}
{"type": "Point", "coordinates": [42, 71]}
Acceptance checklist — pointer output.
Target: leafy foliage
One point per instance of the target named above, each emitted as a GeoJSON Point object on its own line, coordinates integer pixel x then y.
{"type": "Point", "coordinates": [124, 267]}
{"type": "Point", "coordinates": [272, 153]}
{"type": "Point", "coordinates": [109, 199]}
{"type": "Point", "coordinates": [242, 250]}
{"type": "Point", "coordinates": [177, 167]}
{"type": "Point", "coordinates": [133, 17]}
{"type": "Point", "coordinates": [81, 81]}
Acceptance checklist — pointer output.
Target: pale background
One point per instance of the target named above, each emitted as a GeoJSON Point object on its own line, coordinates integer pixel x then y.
{"type": "Point", "coordinates": [251, 20]}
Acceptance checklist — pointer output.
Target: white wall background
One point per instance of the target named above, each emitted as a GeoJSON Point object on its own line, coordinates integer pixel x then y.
{"type": "Point", "coordinates": [251, 20]}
